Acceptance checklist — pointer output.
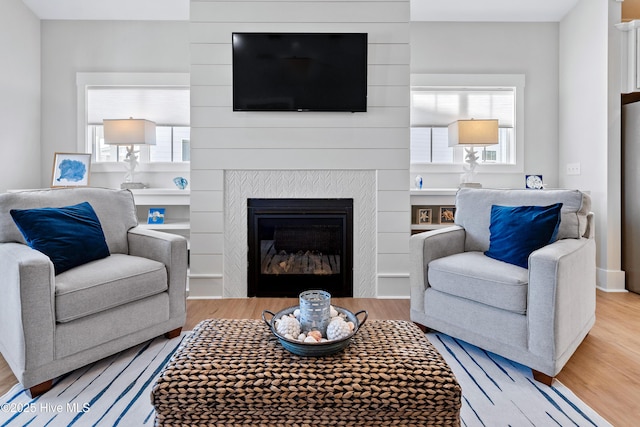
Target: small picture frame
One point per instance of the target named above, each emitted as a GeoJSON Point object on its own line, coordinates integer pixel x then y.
{"type": "Point", "coordinates": [71, 170]}
{"type": "Point", "coordinates": [424, 216]}
{"type": "Point", "coordinates": [156, 216]}
{"type": "Point", "coordinates": [534, 182]}
{"type": "Point", "coordinates": [447, 214]}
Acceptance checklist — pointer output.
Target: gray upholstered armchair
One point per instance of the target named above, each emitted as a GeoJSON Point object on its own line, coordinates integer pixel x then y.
{"type": "Point", "coordinates": [56, 321]}
{"type": "Point", "coordinates": [536, 315]}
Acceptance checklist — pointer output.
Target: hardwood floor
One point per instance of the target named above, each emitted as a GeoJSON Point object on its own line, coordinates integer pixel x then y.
{"type": "Point", "coordinates": [604, 372]}
{"type": "Point", "coordinates": [252, 308]}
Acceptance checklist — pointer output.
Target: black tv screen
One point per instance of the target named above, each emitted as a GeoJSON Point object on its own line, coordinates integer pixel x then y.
{"type": "Point", "coordinates": [300, 72]}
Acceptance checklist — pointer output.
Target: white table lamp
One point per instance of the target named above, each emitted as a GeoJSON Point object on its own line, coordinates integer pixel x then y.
{"type": "Point", "coordinates": [471, 134]}
{"type": "Point", "coordinates": [129, 132]}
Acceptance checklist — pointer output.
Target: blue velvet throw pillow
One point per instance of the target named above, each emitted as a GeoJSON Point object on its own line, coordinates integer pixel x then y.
{"type": "Point", "coordinates": [516, 231]}
{"type": "Point", "coordinates": [70, 236]}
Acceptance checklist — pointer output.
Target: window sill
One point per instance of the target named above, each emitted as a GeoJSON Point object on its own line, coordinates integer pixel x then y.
{"type": "Point", "coordinates": [433, 192]}
{"type": "Point", "coordinates": [107, 167]}
{"type": "Point", "coordinates": [457, 168]}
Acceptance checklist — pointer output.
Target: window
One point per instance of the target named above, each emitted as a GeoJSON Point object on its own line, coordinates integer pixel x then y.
{"type": "Point", "coordinates": [167, 107]}
{"type": "Point", "coordinates": [438, 100]}
{"type": "Point", "coordinates": [163, 98]}
{"type": "Point", "coordinates": [432, 109]}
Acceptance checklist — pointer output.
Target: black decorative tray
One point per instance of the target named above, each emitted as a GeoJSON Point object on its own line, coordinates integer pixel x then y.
{"type": "Point", "coordinates": [320, 348]}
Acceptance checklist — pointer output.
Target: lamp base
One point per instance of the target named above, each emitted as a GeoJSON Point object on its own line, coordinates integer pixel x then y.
{"type": "Point", "coordinates": [470, 185]}
{"type": "Point", "coordinates": [132, 185]}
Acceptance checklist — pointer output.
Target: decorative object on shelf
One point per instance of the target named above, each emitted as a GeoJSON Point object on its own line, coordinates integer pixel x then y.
{"type": "Point", "coordinates": [130, 132]}
{"type": "Point", "coordinates": [424, 216]}
{"type": "Point", "coordinates": [534, 182]}
{"type": "Point", "coordinates": [71, 170]}
{"type": "Point", "coordinates": [447, 214]}
{"type": "Point", "coordinates": [471, 134]}
{"type": "Point", "coordinates": [180, 182]}
{"type": "Point", "coordinates": [156, 216]}
{"type": "Point", "coordinates": [419, 182]}
{"type": "Point", "coordinates": [306, 343]}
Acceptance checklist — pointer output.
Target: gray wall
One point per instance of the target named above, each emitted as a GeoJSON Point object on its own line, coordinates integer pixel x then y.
{"type": "Point", "coordinates": [500, 48]}
{"type": "Point", "coordinates": [19, 97]}
{"type": "Point", "coordinates": [590, 123]}
{"type": "Point", "coordinates": [69, 47]}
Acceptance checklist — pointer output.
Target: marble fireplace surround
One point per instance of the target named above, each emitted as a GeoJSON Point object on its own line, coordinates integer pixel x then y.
{"type": "Point", "coordinates": [359, 185]}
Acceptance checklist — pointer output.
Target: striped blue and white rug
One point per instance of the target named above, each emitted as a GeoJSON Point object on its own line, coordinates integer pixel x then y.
{"type": "Point", "coordinates": [116, 391]}
{"type": "Point", "coordinates": [499, 392]}
{"type": "Point", "coordinates": [111, 392]}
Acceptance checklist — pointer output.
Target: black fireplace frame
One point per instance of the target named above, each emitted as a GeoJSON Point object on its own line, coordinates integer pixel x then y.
{"type": "Point", "coordinates": [259, 285]}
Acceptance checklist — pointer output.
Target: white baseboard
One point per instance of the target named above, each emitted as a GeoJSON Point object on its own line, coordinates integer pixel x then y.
{"type": "Point", "coordinates": [205, 276]}
{"type": "Point", "coordinates": [209, 286]}
{"type": "Point", "coordinates": [612, 290]}
{"type": "Point", "coordinates": [610, 280]}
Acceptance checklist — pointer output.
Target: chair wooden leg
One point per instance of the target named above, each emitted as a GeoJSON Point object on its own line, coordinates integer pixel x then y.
{"type": "Point", "coordinates": [172, 334]}
{"type": "Point", "coordinates": [37, 390]}
{"type": "Point", "coordinates": [543, 378]}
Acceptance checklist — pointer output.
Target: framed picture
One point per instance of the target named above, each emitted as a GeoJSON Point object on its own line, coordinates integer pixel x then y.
{"type": "Point", "coordinates": [71, 170]}
{"type": "Point", "coordinates": [156, 216]}
{"type": "Point", "coordinates": [534, 182]}
{"type": "Point", "coordinates": [447, 214]}
{"type": "Point", "coordinates": [424, 216]}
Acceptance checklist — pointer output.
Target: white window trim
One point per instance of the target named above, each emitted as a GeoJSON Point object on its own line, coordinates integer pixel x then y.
{"type": "Point", "coordinates": [478, 80]}
{"type": "Point", "coordinates": [85, 80]}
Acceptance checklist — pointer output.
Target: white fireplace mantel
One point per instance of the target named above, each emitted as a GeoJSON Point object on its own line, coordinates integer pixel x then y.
{"type": "Point", "coordinates": [240, 185]}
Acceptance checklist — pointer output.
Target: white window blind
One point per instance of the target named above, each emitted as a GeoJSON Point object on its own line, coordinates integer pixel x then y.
{"type": "Point", "coordinates": [166, 106]}
{"type": "Point", "coordinates": [436, 107]}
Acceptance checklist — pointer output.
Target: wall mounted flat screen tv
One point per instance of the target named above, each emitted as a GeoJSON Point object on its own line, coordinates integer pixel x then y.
{"type": "Point", "coordinates": [300, 72]}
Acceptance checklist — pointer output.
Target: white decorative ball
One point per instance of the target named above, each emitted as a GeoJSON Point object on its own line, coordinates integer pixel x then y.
{"type": "Point", "coordinates": [288, 325]}
{"type": "Point", "coordinates": [338, 329]}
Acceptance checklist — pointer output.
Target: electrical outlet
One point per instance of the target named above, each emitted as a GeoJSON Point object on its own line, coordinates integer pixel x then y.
{"type": "Point", "coordinates": [573, 168]}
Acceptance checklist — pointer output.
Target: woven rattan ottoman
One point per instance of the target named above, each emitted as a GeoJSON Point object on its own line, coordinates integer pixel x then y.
{"type": "Point", "coordinates": [236, 373]}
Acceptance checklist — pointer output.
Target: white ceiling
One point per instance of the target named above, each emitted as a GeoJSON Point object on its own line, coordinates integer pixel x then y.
{"type": "Point", "coordinates": [421, 10]}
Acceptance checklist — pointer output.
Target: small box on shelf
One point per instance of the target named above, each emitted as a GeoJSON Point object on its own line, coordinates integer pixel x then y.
{"type": "Point", "coordinates": [431, 217]}
{"type": "Point", "coordinates": [432, 208]}
{"type": "Point", "coordinates": [156, 216]}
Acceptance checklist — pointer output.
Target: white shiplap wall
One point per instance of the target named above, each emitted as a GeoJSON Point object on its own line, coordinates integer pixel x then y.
{"type": "Point", "coordinates": [223, 140]}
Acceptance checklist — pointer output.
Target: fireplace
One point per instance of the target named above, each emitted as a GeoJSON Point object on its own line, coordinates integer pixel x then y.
{"type": "Point", "coordinates": [300, 244]}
